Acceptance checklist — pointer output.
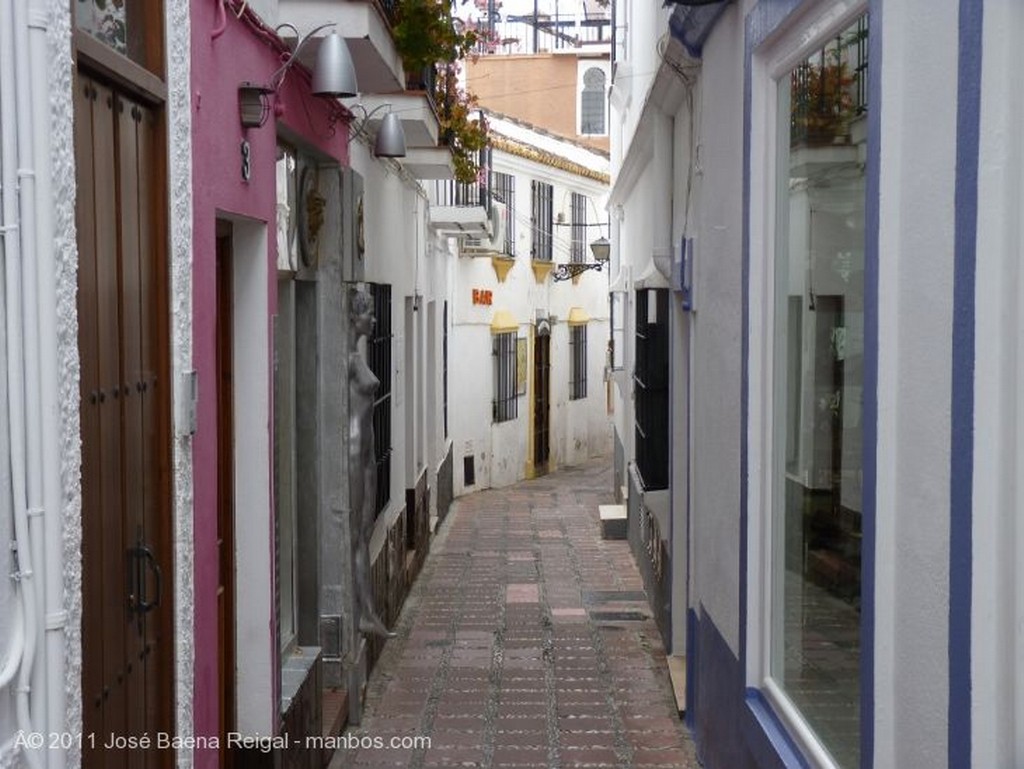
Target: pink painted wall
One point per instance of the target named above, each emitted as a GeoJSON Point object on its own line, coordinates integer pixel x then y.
{"type": "Point", "coordinates": [239, 54]}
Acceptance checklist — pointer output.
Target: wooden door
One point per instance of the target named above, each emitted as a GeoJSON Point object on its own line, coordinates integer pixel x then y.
{"type": "Point", "coordinates": [541, 397]}
{"type": "Point", "coordinates": [127, 680]}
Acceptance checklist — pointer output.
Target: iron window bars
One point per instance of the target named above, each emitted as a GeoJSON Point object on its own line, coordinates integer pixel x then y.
{"type": "Point", "coordinates": [578, 362]}
{"type": "Point", "coordinates": [505, 396]}
{"type": "Point", "coordinates": [542, 220]}
{"type": "Point", "coordinates": [378, 353]}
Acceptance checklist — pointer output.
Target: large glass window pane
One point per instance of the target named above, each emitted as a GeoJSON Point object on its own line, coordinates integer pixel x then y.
{"type": "Point", "coordinates": [819, 311]}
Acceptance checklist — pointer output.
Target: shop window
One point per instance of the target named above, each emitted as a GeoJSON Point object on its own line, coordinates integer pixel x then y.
{"type": "Point", "coordinates": [818, 374]}
{"type": "Point", "coordinates": [577, 362]}
{"type": "Point", "coordinates": [505, 395]}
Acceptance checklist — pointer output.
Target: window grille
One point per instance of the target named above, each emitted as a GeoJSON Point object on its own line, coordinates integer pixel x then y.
{"type": "Point", "coordinates": [651, 385]}
{"type": "Point", "coordinates": [578, 362]}
{"type": "Point", "coordinates": [592, 102]}
{"type": "Point", "coordinates": [504, 191]}
{"type": "Point", "coordinates": [541, 218]}
{"type": "Point", "coordinates": [444, 356]}
{"type": "Point", "coordinates": [618, 323]}
{"type": "Point", "coordinates": [378, 353]}
{"type": "Point", "coordinates": [505, 397]}
{"type": "Point", "coordinates": [578, 250]}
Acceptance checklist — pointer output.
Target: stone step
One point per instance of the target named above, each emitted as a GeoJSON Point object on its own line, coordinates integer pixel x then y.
{"type": "Point", "coordinates": [613, 521]}
{"type": "Point", "coordinates": [677, 672]}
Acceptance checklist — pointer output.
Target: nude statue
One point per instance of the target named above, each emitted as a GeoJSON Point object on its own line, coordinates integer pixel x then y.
{"type": "Point", "coordinates": [362, 465]}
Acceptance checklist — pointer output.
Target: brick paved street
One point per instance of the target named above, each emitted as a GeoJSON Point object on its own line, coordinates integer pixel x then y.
{"type": "Point", "coordinates": [526, 643]}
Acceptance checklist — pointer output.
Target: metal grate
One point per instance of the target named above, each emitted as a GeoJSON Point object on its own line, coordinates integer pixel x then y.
{"type": "Point", "coordinates": [592, 102]}
{"type": "Point", "coordinates": [378, 352]}
{"type": "Point", "coordinates": [578, 362]}
{"type": "Point", "coordinates": [578, 247]}
{"type": "Point", "coordinates": [541, 218]}
{"type": "Point", "coordinates": [444, 356]}
{"type": "Point", "coordinates": [504, 191]}
{"type": "Point", "coordinates": [505, 397]}
{"type": "Point", "coordinates": [651, 381]}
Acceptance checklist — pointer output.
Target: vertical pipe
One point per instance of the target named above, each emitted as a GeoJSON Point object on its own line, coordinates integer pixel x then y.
{"type": "Point", "coordinates": [49, 377]}
{"type": "Point", "coordinates": [33, 678]}
{"type": "Point", "coordinates": [13, 255]}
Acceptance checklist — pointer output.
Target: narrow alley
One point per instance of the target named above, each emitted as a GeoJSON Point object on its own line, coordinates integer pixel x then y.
{"type": "Point", "coordinates": [526, 642]}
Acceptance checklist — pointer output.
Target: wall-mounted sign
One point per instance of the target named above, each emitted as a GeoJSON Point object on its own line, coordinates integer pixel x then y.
{"type": "Point", "coordinates": [482, 296]}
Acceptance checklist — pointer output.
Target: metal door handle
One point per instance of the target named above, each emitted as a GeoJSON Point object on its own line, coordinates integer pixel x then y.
{"type": "Point", "coordinates": [143, 605]}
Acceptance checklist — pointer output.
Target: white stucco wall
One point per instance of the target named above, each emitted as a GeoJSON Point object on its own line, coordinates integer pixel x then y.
{"type": "Point", "coordinates": [915, 359]}
{"type": "Point", "coordinates": [997, 696]}
{"type": "Point", "coordinates": [402, 252]}
{"type": "Point", "coordinates": [179, 118]}
{"type": "Point", "coordinates": [579, 429]}
{"type": "Point", "coordinates": [717, 332]}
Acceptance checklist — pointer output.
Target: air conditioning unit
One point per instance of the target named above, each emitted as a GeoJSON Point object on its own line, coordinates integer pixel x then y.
{"type": "Point", "coordinates": [493, 245]}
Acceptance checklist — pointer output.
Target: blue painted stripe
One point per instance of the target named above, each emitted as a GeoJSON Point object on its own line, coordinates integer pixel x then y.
{"type": "Point", "coordinates": [773, 730]}
{"type": "Point", "coordinates": [692, 665]}
{"type": "Point", "coordinates": [869, 458]}
{"type": "Point", "coordinates": [962, 423]}
{"type": "Point", "coordinates": [693, 25]}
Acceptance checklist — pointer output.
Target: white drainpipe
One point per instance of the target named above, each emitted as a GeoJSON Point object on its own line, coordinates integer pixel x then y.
{"type": "Point", "coordinates": [16, 399]}
{"type": "Point", "coordinates": [55, 712]}
{"type": "Point", "coordinates": [15, 133]}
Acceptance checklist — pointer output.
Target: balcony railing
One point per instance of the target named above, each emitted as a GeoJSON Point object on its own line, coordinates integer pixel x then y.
{"type": "Point", "coordinates": [425, 80]}
{"type": "Point", "coordinates": [542, 33]}
{"type": "Point", "coordinates": [472, 195]}
{"type": "Point", "coordinates": [829, 90]}
{"type": "Point", "coordinates": [388, 9]}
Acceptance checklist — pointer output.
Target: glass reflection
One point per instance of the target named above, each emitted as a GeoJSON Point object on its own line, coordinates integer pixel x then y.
{"type": "Point", "coordinates": [819, 379]}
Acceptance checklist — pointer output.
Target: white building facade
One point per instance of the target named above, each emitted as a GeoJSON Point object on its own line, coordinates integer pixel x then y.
{"type": "Point", "coordinates": [535, 398]}
{"type": "Point", "coordinates": [833, 246]}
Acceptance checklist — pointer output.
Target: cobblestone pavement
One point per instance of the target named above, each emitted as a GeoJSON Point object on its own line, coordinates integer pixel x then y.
{"type": "Point", "coordinates": [526, 642]}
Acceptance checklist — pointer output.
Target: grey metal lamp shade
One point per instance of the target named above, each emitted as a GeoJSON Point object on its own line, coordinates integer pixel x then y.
{"type": "Point", "coordinates": [334, 73]}
{"type": "Point", "coordinates": [390, 142]}
{"type": "Point", "coordinates": [602, 249]}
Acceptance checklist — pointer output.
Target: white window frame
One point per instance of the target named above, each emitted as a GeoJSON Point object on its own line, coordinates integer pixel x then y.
{"type": "Point", "coordinates": [797, 38]}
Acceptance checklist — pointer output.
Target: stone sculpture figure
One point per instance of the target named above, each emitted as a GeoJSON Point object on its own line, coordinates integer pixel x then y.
{"type": "Point", "coordinates": [362, 464]}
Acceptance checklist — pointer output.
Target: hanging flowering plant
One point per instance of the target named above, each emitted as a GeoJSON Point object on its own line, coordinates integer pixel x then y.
{"type": "Point", "coordinates": [826, 89]}
{"type": "Point", "coordinates": [427, 36]}
{"type": "Point", "coordinates": [464, 136]}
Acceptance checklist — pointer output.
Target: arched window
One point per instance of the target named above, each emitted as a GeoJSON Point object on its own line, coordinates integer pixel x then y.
{"type": "Point", "coordinates": [592, 102]}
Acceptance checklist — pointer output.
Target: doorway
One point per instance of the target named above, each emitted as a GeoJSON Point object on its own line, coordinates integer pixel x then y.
{"type": "Point", "coordinates": [541, 403]}
{"type": "Point", "coordinates": [127, 577]}
{"type": "Point", "coordinates": [225, 490]}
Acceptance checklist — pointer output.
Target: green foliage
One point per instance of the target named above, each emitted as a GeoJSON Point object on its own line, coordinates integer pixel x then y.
{"type": "Point", "coordinates": [427, 35]}
{"type": "Point", "coordinates": [465, 137]}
